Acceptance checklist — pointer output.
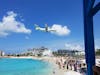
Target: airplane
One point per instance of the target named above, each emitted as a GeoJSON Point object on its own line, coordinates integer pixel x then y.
{"type": "Point", "coordinates": [46, 29]}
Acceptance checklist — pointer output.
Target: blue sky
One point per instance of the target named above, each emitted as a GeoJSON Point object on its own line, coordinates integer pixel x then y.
{"type": "Point", "coordinates": [26, 13]}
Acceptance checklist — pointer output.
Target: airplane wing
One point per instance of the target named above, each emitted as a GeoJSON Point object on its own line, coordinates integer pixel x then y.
{"type": "Point", "coordinates": [51, 30]}
{"type": "Point", "coordinates": [48, 29]}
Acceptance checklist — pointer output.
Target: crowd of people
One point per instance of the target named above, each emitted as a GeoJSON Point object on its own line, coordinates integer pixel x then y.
{"type": "Point", "coordinates": [67, 63]}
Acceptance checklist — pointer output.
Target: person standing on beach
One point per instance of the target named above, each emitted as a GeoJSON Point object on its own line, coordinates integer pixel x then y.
{"type": "Point", "coordinates": [75, 67]}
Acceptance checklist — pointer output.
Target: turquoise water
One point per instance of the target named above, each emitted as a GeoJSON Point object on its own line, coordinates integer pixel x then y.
{"type": "Point", "coordinates": [24, 67]}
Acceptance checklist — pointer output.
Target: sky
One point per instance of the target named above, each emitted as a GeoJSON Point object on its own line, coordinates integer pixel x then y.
{"type": "Point", "coordinates": [17, 30]}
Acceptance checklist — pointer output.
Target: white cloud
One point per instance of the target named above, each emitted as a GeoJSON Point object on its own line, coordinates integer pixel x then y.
{"type": "Point", "coordinates": [73, 46]}
{"type": "Point", "coordinates": [9, 24]}
{"type": "Point", "coordinates": [60, 30]}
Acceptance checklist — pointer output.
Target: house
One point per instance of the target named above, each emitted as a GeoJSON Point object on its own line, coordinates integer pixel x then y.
{"type": "Point", "coordinates": [2, 53]}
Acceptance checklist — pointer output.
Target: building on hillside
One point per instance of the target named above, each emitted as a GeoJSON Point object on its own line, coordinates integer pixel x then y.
{"type": "Point", "coordinates": [80, 53]}
{"type": "Point", "coordinates": [42, 51]}
{"type": "Point", "coordinates": [2, 53]}
{"type": "Point", "coordinates": [66, 52]}
{"type": "Point", "coordinates": [47, 53]}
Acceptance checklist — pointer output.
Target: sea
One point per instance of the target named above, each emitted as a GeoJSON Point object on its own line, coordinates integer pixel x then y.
{"type": "Point", "coordinates": [14, 66]}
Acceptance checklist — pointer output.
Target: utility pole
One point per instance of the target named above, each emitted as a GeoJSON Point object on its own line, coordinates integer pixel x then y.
{"type": "Point", "coordinates": [89, 11]}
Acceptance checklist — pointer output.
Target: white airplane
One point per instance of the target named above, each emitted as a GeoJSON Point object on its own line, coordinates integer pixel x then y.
{"type": "Point", "coordinates": [46, 29]}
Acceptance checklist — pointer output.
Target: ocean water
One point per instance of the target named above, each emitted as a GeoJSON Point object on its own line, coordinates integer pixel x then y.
{"type": "Point", "coordinates": [14, 66]}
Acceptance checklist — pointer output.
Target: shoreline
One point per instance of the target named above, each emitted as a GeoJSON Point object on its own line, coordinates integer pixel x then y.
{"type": "Point", "coordinates": [51, 60]}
